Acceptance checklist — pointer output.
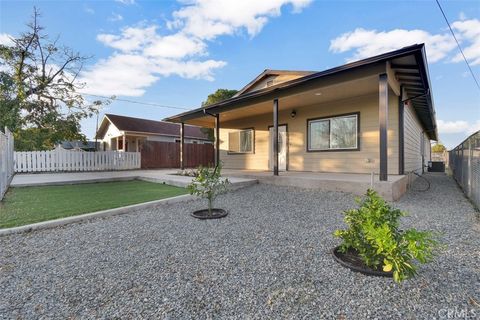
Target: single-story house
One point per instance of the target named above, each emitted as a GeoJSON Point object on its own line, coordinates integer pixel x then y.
{"type": "Point", "coordinates": [129, 134]}
{"type": "Point", "coordinates": [373, 115]}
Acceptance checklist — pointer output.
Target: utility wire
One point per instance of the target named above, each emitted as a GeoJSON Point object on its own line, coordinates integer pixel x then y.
{"type": "Point", "coordinates": [458, 44]}
{"type": "Point", "coordinates": [137, 102]}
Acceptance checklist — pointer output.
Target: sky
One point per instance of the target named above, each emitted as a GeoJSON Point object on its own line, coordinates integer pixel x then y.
{"type": "Point", "coordinates": [175, 53]}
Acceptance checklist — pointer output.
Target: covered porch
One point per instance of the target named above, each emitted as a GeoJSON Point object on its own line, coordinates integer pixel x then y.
{"type": "Point", "coordinates": [372, 94]}
{"type": "Point", "coordinates": [127, 143]}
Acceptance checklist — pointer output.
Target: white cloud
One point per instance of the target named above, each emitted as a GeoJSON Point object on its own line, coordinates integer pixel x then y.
{"type": "Point", "coordinates": [6, 39]}
{"type": "Point", "coordinates": [127, 2]}
{"type": "Point", "coordinates": [115, 17]}
{"type": "Point", "coordinates": [459, 126]}
{"type": "Point", "coordinates": [469, 30]}
{"type": "Point", "coordinates": [131, 39]}
{"type": "Point", "coordinates": [120, 74]}
{"type": "Point", "coordinates": [365, 43]}
{"type": "Point", "coordinates": [143, 54]}
{"type": "Point", "coordinates": [88, 10]}
{"type": "Point", "coordinates": [208, 19]}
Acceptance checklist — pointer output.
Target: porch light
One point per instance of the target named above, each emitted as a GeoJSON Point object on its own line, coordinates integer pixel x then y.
{"type": "Point", "coordinates": [293, 114]}
{"type": "Point", "coordinates": [318, 93]}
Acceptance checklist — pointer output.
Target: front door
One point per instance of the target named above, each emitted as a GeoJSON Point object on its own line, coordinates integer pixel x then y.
{"type": "Point", "coordinates": [282, 148]}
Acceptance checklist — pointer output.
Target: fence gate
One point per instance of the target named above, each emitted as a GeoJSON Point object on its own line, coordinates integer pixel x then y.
{"type": "Point", "coordinates": [157, 154]}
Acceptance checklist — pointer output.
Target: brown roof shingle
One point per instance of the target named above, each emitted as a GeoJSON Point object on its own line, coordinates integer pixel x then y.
{"type": "Point", "coordinates": [157, 127]}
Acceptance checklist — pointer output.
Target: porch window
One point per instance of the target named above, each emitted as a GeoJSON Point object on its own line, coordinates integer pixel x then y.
{"type": "Point", "coordinates": [333, 133]}
{"type": "Point", "coordinates": [241, 141]}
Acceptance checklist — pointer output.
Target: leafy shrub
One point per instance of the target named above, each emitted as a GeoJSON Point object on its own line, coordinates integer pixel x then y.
{"type": "Point", "coordinates": [373, 233]}
{"type": "Point", "coordinates": [208, 184]}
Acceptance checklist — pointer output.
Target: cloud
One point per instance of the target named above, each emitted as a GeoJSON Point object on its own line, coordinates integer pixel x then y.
{"type": "Point", "coordinates": [126, 2]}
{"type": "Point", "coordinates": [115, 17]}
{"type": "Point", "coordinates": [459, 126]}
{"type": "Point", "coordinates": [365, 43]}
{"type": "Point", "coordinates": [469, 30]}
{"type": "Point", "coordinates": [208, 19]}
{"type": "Point", "coordinates": [131, 38]}
{"type": "Point", "coordinates": [6, 39]}
{"type": "Point", "coordinates": [88, 10]}
{"type": "Point", "coordinates": [145, 53]}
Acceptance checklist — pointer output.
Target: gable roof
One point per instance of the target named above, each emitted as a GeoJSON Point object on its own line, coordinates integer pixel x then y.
{"type": "Point", "coordinates": [269, 72]}
{"type": "Point", "coordinates": [414, 77]}
{"type": "Point", "coordinates": [131, 124]}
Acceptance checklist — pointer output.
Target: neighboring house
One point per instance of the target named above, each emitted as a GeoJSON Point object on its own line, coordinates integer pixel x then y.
{"type": "Point", "coordinates": [373, 115]}
{"type": "Point", "coordinates": [78, 145]}
{"type": "Point", "coordinates": [130, 134]}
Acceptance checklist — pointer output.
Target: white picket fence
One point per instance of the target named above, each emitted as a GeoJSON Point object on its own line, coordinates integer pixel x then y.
{"type": "Point", "coordinates": [66, 160]}
{"type": "Point", "coordinates": [6, 161]}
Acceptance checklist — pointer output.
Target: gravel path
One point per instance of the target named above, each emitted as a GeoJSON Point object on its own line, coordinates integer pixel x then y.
{"type": "Point", "coordinates": [268, 259]}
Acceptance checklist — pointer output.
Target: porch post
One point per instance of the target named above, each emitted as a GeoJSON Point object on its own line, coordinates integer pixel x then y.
{"type": "Point", "coordinates": [383, 124]}
{"type": "Point", "coordinates": [401, 135]}
{"type": "Point", "coordinates": [124, 143]}
{"type": "Point", "coordinates": [275, 137]}
{"type": "Point", "coordinates": [182, 142]}
{"type": "Point", "coordinates": [217, 140]}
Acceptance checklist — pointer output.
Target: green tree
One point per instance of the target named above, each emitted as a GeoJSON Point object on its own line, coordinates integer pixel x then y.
{"type": "Point", "coordinates": [39, 98]}
{"type": "Point", "coordinates": [217, 96]}
{"type": "Point", "coordinates": [438, 147]}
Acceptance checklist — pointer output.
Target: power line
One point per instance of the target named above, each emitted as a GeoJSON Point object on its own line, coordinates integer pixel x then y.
{"type": "Point", "coordinates": [458, 44]}
{"type": "Point", "coordinates": [136, 102]}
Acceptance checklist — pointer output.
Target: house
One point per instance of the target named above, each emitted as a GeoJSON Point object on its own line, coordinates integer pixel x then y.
{"type": "Point", "coordinates": [373, 115]}
{"type": "Point", "coordinates": [130, 134]}
{"type": "Point", "coordinates": [78, 145]}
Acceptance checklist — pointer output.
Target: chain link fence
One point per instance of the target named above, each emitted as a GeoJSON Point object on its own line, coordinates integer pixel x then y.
{"type": "Point", "coordinates": [464, 162]}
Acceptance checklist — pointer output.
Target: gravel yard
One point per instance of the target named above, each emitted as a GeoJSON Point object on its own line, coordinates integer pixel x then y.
{"type": "Point", "coordinates": [269, 258]}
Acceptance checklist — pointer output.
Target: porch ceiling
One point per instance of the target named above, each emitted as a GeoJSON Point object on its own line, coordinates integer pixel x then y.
{"type": "Point", "coordinates": [319, 95]}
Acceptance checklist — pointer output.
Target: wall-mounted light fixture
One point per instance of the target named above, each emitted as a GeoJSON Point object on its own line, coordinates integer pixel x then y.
{"type": "Point", "coordinates": [293, 114]}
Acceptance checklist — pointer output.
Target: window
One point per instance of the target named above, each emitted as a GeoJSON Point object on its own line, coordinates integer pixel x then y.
{"type": "Point", "coordinates": [333, 133]}
{"type": "Point", "coordinates": [241, 141]}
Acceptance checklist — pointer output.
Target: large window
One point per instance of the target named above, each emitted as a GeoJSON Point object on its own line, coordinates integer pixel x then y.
{"type": "Point", "coordinates": [241, 141]}
{"type": "Point", "coordinates": [333, 133]}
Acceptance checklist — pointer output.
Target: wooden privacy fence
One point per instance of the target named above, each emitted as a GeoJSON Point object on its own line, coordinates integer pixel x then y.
{"type": "Point", "coordinates": [156, 154]}
{"type": "Point", "coordinates": [6, 161]}
{"type": "Point", "coordinates": [67, 160]}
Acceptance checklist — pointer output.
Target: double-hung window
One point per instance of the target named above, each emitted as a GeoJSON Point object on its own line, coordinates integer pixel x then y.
{"type": "Point", "coordinates": [241, 141]}
{"type": "Point", "coordinates": [333, 133]}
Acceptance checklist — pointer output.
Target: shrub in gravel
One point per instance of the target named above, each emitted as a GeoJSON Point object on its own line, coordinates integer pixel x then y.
{"type": "Point", "coordinates": [373, 234]}
{"type": "Point", "coordinates": [208, 184]}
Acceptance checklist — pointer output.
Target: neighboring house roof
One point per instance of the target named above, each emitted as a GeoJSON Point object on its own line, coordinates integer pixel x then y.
{"type": "Point", "coordinates": [147, 126]}
{"type": "Point", "coordinates": [276, 76]}
{"type": "Point", "coordinates": [409, 63]}
{"type": "Point", "coordinates": [89, 145]}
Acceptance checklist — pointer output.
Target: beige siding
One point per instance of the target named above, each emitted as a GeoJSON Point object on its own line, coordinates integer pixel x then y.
{"type": "Point", "coordinates": [414, 137]}
{"type": "Point", "coordinates": [363, 161]}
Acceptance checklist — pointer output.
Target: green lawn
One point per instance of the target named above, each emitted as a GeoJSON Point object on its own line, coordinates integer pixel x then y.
{"type": "Point", "coordinates": [34, 204]}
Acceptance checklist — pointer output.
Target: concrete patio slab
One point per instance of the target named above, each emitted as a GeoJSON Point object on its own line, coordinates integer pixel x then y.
{"type": "Point", "coordinates": [391, 190]}
{"type": "Point", "coordinates": [166, 176]}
